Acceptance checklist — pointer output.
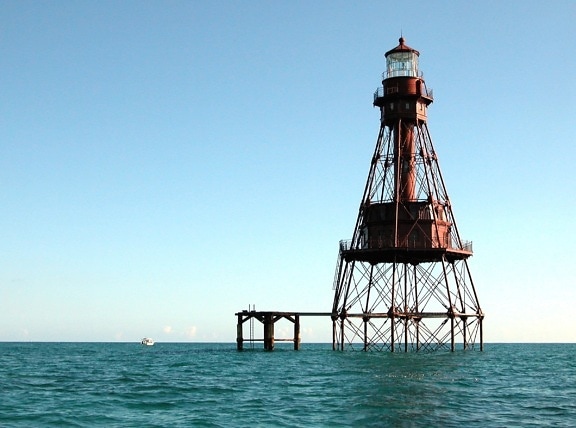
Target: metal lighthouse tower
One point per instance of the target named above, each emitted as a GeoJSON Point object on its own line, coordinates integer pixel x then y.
{"type": "Point", "coordinates": [402, 282]}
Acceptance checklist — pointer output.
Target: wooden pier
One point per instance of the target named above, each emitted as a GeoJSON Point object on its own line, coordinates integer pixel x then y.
{"type": "Point", "coordinates": [268, 319]}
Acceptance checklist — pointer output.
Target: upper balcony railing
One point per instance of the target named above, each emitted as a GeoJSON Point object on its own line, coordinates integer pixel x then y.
{"type": "Point", "coordinates": [379, 93]}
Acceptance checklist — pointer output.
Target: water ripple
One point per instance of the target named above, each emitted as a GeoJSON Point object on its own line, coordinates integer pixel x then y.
{"type": "Point", "coordinates": [212, 385]}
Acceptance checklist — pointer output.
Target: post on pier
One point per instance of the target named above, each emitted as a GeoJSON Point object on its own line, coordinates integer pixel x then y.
{"type": "Point", "coordinates": [296, 332]}
{"type": "Point", "coordinates": [268, 332]}
{"type": "Point", "coordinates": [239, 334]}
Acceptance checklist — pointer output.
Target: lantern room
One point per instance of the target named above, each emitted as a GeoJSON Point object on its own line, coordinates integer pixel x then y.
{"type": "Point", "coordinates": [402, 61]}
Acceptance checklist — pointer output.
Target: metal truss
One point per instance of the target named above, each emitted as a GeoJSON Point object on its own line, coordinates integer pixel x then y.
{"type": "Point", "coordinates": [401, 297]}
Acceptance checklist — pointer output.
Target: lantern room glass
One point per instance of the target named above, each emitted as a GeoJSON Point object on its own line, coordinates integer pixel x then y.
{"type": "Point", "coordinates": [404, 64]}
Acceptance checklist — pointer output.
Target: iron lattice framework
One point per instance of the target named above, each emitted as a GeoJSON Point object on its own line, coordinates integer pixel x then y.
{"type": "Point", "coordinates": [403, 281]}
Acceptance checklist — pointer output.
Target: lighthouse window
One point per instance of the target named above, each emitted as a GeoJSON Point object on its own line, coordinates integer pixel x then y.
{"type": "Point", "coordinates": [391, 106]}
{"type": "Point", "coordinates": [364, 238]}
{"type": "Point", "coordinates": [414, 238]}
{"type": "Point", "coordinates": [407, 106]}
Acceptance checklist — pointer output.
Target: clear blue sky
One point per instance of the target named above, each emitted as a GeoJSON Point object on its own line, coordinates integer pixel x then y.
{"type": "Point", "coordinates": [165, 164]}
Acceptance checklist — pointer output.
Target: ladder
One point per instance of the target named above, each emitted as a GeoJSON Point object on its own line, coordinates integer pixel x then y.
{"type": "Point", "coordinates": [252, 326]}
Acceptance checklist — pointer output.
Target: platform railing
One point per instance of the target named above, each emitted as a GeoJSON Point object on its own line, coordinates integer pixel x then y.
{"type": "Point", "coordinates": [346, 245]}
{"type": "Point", "coordinates": [402, 72]}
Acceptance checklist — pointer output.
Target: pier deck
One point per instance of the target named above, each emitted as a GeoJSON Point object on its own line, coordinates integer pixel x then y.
{"type": "Point", "coordinates": [268, 319]}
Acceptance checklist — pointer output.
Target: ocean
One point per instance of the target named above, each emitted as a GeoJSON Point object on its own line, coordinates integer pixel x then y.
{"type": "Point", "coordinates": [213, 385]}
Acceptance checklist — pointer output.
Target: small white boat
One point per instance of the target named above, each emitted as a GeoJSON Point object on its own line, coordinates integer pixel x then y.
{"type": "Point", "coordinates": [147, 341]}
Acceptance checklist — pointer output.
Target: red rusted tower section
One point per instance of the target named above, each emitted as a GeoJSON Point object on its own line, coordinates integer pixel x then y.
{"type": "Point", "coordinates": [403, 282]}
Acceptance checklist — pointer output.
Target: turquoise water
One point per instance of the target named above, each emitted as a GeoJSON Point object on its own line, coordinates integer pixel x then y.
{"type": "Point", "coordinates": [213, 385]}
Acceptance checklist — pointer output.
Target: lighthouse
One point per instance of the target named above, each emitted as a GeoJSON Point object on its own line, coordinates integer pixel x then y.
{"type": "Point", "coordinates": [403, 283]}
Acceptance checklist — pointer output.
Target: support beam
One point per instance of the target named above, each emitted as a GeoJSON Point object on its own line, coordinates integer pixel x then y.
{"type": "Point", "coordinates": [297, 332]}
{"type": "Point", "coordinates": [268, 332]}
{"type": "Point", "coordinates": [239, 334]}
